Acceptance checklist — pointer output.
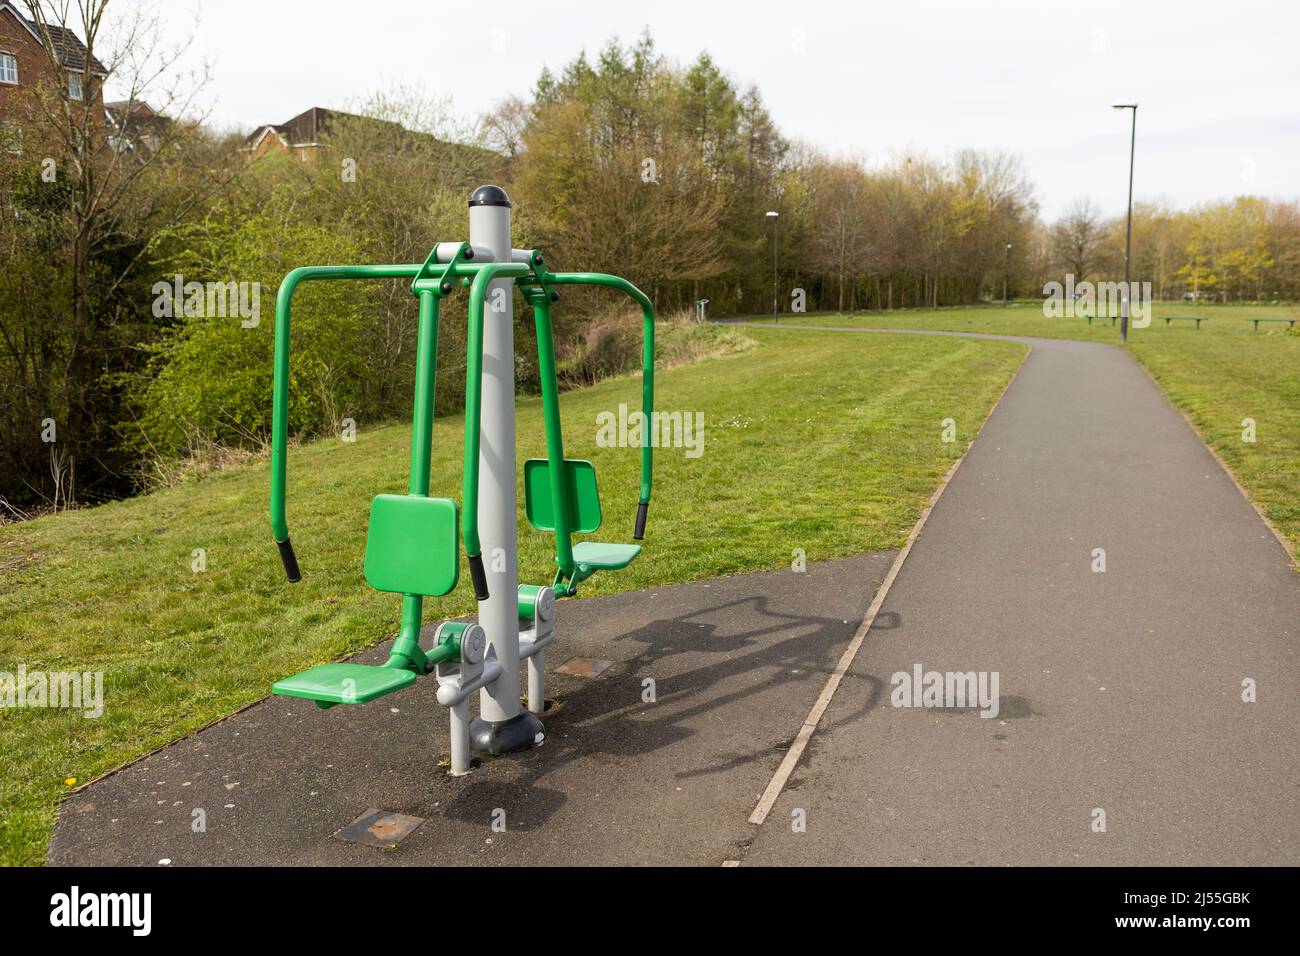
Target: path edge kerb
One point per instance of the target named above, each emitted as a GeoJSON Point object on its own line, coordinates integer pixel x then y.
{"type": "Point", "coordinates": [795, 752]}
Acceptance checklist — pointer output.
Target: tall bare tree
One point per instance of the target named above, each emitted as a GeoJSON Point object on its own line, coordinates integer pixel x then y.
{"type": "Point", "coordinates": [1077, 237]}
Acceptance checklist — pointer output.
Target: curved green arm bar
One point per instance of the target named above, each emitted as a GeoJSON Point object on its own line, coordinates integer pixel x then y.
{"type": "Point", "coordinates": [486, 272]}
{"type": "Point", "coordinates": [647, 360]}
{"type": "Point", "coordinates": [283, 339]}
{"type": "Point", "coordinates": [280, 409]}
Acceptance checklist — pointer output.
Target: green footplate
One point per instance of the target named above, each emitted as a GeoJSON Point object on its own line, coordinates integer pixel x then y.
{"type": "Point", "coordinates": [604, 557]}
{"type": "Point", "coordinates": [344, 683]}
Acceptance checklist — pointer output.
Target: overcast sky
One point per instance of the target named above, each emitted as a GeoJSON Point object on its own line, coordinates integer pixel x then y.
{"type": "Point", "coordinates": [1218, 83]}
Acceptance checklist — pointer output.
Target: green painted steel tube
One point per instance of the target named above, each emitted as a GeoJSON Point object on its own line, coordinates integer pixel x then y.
{"type": "Point", "coordinates": [486, 272]}
{"type": "Point", "coordinates": [448, 646]}
{"type": "Point", "coordinates": [426, 376]}
{"type": "Point", "coordinates": [647, 357]}
{"type": "Point", "coordinates": [446, 650]}
{"type": "Point", "coordinates": [554, 435]}
{"type": "Point", "coordinates": [406, 649]}
{"type": "Point", "coordinates": [406, 653]}
{"type": "Point", "coordinates": [280, 407]}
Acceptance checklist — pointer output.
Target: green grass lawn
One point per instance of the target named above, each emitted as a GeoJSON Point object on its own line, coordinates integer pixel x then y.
{"type": "Point", "coordinates": [819, 442]}
{"type": "Point", "coordinates": [1219, 375]}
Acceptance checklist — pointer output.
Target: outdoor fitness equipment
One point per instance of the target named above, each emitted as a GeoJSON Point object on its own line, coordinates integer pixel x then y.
{"type": "Point", "coordinates": [411, 545]}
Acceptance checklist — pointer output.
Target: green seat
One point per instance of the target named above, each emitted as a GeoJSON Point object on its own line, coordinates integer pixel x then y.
{"type": "Point", "coordinates": [584, 499]}
{"type": "Point", "coordinates": [604, 557]}
{"type": "Point", "coordinates": [412, 546]}
{"type": "Point", "coordinates": [345, 683]}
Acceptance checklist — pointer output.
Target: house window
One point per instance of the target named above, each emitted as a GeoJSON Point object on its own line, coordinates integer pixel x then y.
{"type": "Point", "coordinates": [74, 86]}
{"type": "Point", "coordinates": [8, 68]}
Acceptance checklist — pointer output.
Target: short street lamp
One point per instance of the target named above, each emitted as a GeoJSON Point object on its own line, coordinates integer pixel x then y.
{"type": "Point", "coordinates": [1006, 257]}
{"type": "Point", "coordinates": [776, 262]}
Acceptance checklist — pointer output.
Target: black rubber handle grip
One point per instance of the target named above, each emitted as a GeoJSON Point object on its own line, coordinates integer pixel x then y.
{"type": "Point", "coordinates": [641, 511]}
{"type": "Point", "coordinates": [290, 561]}
{"type": "Point", "coordinates": [479, 575]}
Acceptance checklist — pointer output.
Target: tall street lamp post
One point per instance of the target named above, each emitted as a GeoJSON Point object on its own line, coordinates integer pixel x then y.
{"type": "Point", "coordinates": [1128, 229]}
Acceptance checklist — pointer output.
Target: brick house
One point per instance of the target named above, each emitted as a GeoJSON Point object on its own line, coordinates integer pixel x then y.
{"type": "Point", "coordinates": [26, 72]}
{"type": "Point", "coordinates": [303, 136]}
{"type": "Point", "coordinates": [300, 136]}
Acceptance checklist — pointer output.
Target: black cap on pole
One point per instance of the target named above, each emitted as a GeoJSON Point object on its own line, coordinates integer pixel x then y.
{"type": "Point", "coordinates": [489, 196]}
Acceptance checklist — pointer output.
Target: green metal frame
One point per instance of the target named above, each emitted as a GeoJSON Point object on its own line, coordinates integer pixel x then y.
{"type": "Point", "coordinates": [430, 282]}
{"type": "Point", "coordinates": [647, 356]}
{"type": "Point", "coordinates": [540, 294]}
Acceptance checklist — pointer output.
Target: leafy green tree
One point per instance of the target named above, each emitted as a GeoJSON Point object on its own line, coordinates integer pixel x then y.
{"type": "Point", "coordinates": [209, 378]}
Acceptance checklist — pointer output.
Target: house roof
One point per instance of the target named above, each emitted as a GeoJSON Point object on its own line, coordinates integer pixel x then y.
{"type": "Point", "coordinates": [307, 127]}
{"type": "Point", "coordinates": [311, 126]}
{"type": "Point", "coordinates": [135, 116]}
{"type": "Point", "coordinates": [137, 107]}
{"type": "Point", "coordinates": [68, 48]}
{"type": "Point", "coordinates": [303, 130]}
{"type": "Point", "coordinates": [252, 140]}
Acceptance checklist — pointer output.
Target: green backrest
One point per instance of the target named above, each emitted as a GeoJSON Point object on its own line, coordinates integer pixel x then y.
{"type": "Point", "coordinates": [412, 546]}
{"type": "Point", "coordinates": [584, 499]}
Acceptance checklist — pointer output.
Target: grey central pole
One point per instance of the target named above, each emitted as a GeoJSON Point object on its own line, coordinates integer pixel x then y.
{"type": "Point", "coordinates": [502, 725]}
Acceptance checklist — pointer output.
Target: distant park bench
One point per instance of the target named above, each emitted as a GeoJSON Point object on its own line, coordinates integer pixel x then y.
{"type": "Point", "coordinates": [1112, 318]}
{"type": "Point", "coordinates": [1186, 318]}
{"type": "Point", "coordinates": [1290, 322]}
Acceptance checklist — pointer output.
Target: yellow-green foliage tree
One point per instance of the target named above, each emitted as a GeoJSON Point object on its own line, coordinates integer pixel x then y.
{"type": "Point", "coordinates": [1244, 250]}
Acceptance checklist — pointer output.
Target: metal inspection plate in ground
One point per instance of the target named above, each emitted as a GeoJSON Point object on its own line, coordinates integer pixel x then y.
{"type": "Point", "coordinates": [583, 667]}
{"type": "Point", "coordinates": [379, 828]}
